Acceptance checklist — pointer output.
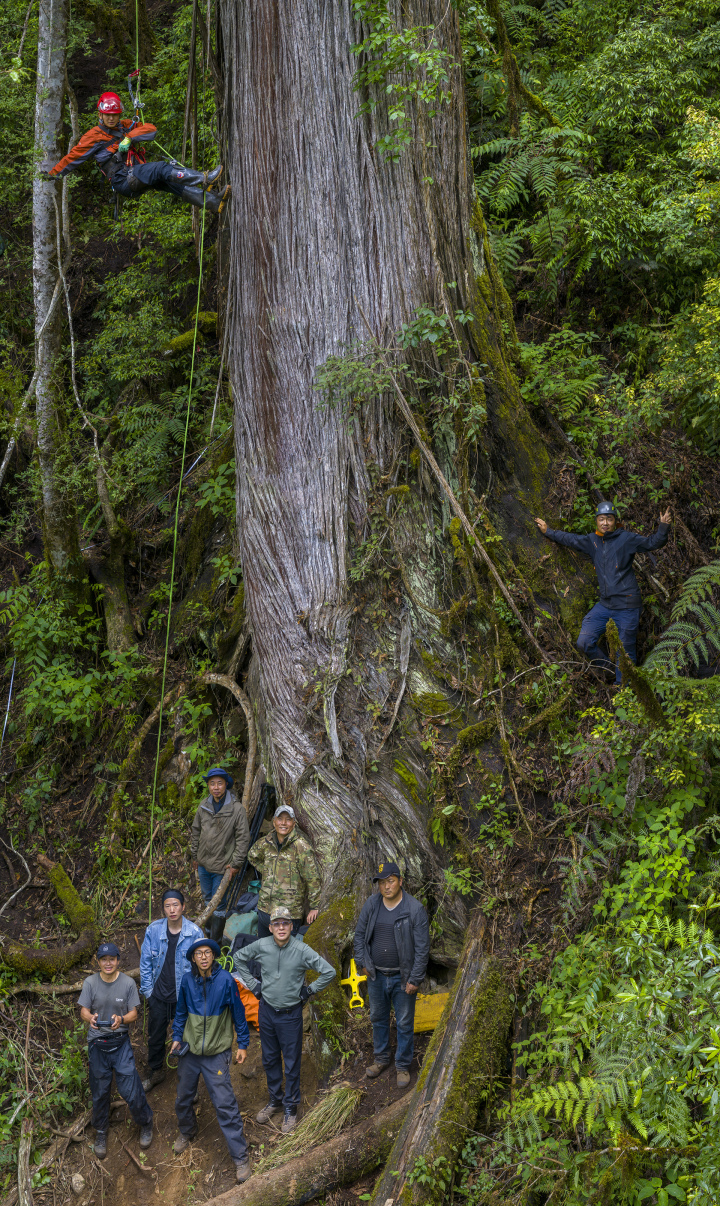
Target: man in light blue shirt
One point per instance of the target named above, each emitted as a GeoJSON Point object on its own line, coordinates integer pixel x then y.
{"type": "Point", "coordinates": [162, 967]}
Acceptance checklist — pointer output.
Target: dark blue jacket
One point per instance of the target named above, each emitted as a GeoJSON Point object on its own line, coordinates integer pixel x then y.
{"type": "Point", "coordinates": [612, 555]}
{"type": "Point", "coordinates": [412, 937]}
{"type": "Point", "coordinates": [206, 1011]}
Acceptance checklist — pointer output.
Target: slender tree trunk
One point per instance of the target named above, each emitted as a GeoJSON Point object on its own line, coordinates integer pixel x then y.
{"type": "Point", "coordinates": [60, 526]}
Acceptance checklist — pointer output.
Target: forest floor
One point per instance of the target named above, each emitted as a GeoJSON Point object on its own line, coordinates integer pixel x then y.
{"type": "Point", "coordinates": [206, 1169]}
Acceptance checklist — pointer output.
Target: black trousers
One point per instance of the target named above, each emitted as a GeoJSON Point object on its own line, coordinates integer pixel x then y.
{"type": "Point", "coordinates": [160, 1015]}
{"type": "Point", "coordinates": [104, 1061]}
{"type": "Point", "coordinates": [281, 1036]}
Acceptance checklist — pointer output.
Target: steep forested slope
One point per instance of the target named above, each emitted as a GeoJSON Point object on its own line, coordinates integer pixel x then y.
{"type": "Point", "coordinates": [469, 275]}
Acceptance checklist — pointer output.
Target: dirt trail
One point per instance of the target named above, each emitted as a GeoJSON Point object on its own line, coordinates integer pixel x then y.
{"type": "Point", "coordinates": [205, 1169]}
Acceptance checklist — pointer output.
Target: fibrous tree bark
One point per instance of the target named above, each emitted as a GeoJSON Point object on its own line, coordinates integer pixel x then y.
{"type": "Point", "coordinates": [62, 548]}
{"type": "Point", "coordinates": [323, 233]}
{"type": "Point", "coordinates": [465, 1058]}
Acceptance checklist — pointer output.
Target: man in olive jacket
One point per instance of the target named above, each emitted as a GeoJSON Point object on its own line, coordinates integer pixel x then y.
{"type": "Point", "coordinates": [286, 863]}
{"type": "Point", "coordinates": [220, 833]}
{"type": "Point", "coordinates": [392, 943]}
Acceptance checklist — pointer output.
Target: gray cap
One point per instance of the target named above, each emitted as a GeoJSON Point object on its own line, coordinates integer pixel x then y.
{"type": "Point", "coordinates": [284, 808]}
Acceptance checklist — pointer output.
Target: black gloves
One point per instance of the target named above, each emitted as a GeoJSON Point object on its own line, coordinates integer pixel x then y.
{"type": "Point", "coordinates": [305, 994]}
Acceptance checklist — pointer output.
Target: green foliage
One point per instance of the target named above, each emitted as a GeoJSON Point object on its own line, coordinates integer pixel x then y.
{"type": "Point", "coordinates": [218, 492]}
{"type": "Point", "coordinates": [561, 372]}
{"type": "Point", "coordinates": [405, 65]}
{"type": "Point", "coordinates": [694, 634]}
{"type": "Point", "coordinates": [623, 1084]}
{"type": "Point", "coordinates": [51, 638]}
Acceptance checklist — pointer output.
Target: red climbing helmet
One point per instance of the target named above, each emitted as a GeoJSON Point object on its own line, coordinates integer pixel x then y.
{"type": "Point", "coordinates": [110, 103]}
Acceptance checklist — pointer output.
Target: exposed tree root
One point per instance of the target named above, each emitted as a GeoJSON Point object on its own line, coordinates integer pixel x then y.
{"type": "Point", "coordinates": [350, 1155]}
{"type": "Point", "coordinates": [465, 1056]}
{"type": "Point", "coordinates": [82, 919]}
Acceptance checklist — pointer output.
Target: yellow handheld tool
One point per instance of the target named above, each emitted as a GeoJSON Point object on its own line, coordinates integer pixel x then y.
{"type": "Point", "coordinates": [354, 980]}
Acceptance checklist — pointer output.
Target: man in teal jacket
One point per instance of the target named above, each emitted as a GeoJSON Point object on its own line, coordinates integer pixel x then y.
{"type": "Point", "coordinates": [208, 1007]}
{"type": "Point", "coordinates": [284, 961]}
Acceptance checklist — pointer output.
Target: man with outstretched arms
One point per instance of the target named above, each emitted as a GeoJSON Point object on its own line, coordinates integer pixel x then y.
{"type": "Point", "coordinates": [611, 550]}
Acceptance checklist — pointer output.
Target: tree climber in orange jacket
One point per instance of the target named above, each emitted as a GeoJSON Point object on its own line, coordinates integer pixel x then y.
{"type": "Point", "coordinates": [112, 144]}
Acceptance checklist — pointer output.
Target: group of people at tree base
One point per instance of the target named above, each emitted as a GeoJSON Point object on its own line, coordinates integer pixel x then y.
{"type": "Point", "coordinates": [186, 987]}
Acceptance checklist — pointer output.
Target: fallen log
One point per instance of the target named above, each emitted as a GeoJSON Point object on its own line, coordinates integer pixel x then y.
{"type": "Point", "coordinates": [349, 1156]}
{"type": "Point", "coordinates": [53, 1153]}
{"type": "Point", "coordinates": [50, 961]}
{"type": "Point", "coordinates": [24, 1179]}
{"type": "Point", "coordinates": [466, 1054]}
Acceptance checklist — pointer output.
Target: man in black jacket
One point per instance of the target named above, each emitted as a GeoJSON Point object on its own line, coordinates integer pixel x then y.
{"type": "Point", "coordinates": [611, 550]}
{"type": "Point", "coordinates": [392, 943]}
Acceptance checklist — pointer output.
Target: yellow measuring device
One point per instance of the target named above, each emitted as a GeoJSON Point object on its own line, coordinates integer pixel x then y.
{"type": "Point", "coordinates": [354, 980]}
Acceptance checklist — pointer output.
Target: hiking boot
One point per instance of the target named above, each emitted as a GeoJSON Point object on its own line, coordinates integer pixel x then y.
{"type": "Point", "coordinates": [375, 1069]}
{"type": "Point", "coordinates": [211, 177]}
{"type": "Point", "coordinates": [267, 1112]}
{"type": "Point", "coordinates": [101, 1145]}
{"type": "Point", "coordinates": [289, 1122]}
{"type": "Point", "coordinates": [242, 1170]}
{"type": "Point", "coordinates": [403, 1078]}
{"type": "Point", "coordinates": [183, 1142]}
{"type": "Point", "coordinates": [146, 1134]}
{"type": "Point", "coordinates": [156, 1077]}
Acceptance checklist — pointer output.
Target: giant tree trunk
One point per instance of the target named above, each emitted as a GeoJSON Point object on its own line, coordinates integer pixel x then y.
{"type": "Point", "coordinates": [323, 230]}
{"type": "Point", "coordinates": [60, 529]}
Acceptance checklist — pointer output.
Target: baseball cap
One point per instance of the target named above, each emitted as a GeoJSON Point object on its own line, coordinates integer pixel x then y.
{"type": "Point", "coordinates": [280, 914]}
{"type": "Point", "coordinates": [385, 870]}
{"type": "Point", "coordinates": [284, 808]}
{"type": "Point", "coordinates": [108, 948]}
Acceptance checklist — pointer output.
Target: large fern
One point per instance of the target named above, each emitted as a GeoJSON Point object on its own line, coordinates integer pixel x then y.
{"type": "Point", "coordinates": [694, 631]}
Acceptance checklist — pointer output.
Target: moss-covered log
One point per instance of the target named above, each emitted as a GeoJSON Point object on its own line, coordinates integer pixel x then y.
{"type": "Point", "coordinates": [49, 962]}
{"type": "Point", "coordinates": [464, 1057]}
{"type": "Point", "coordinates": [351, 1155]}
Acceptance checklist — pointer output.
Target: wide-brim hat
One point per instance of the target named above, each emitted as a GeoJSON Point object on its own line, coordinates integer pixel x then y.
{"type": "Point", "coordinates": [203, 942]}
{"type": "Point", "coordinates": [218, 772]}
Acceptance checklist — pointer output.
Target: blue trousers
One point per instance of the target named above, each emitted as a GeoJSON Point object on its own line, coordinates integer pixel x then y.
{"type": "Point", "coordinates": [215, 1070]}
{"type": "Point", "coordinates": [103, 1062]}
{"type": "Point", "coordinates": [384, 992]}
{"type": "Point", "coordinates": [281, 1035]}
{"type": "Point", "coordinates": [593, 627]}
{"type": "Point", "coordinates": [164, 177]}
{"type": "Point", "coordinates": [209, 884]}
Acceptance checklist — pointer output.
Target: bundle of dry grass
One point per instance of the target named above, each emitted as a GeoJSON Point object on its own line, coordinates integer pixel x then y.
{"type": "Point", "coordinates": [323, 1122]}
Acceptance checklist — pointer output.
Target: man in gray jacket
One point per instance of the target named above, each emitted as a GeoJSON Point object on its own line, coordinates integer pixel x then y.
{"type": "Point", "coordinates": [220, 833]}
{"type": "Point", "coordinates": [392, 943]}
{"type": "Point", "coordinates": [284, 961]}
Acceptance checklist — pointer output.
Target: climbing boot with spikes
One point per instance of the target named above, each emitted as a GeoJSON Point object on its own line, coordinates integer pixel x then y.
{"type": "Point", "coordinates": [212, 201]}
{"type": "Point", "coordinates": [213, 176]}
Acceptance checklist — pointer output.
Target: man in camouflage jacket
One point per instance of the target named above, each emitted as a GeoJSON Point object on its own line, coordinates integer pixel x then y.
{"type": "Point", "coordinates": [285, 860]}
